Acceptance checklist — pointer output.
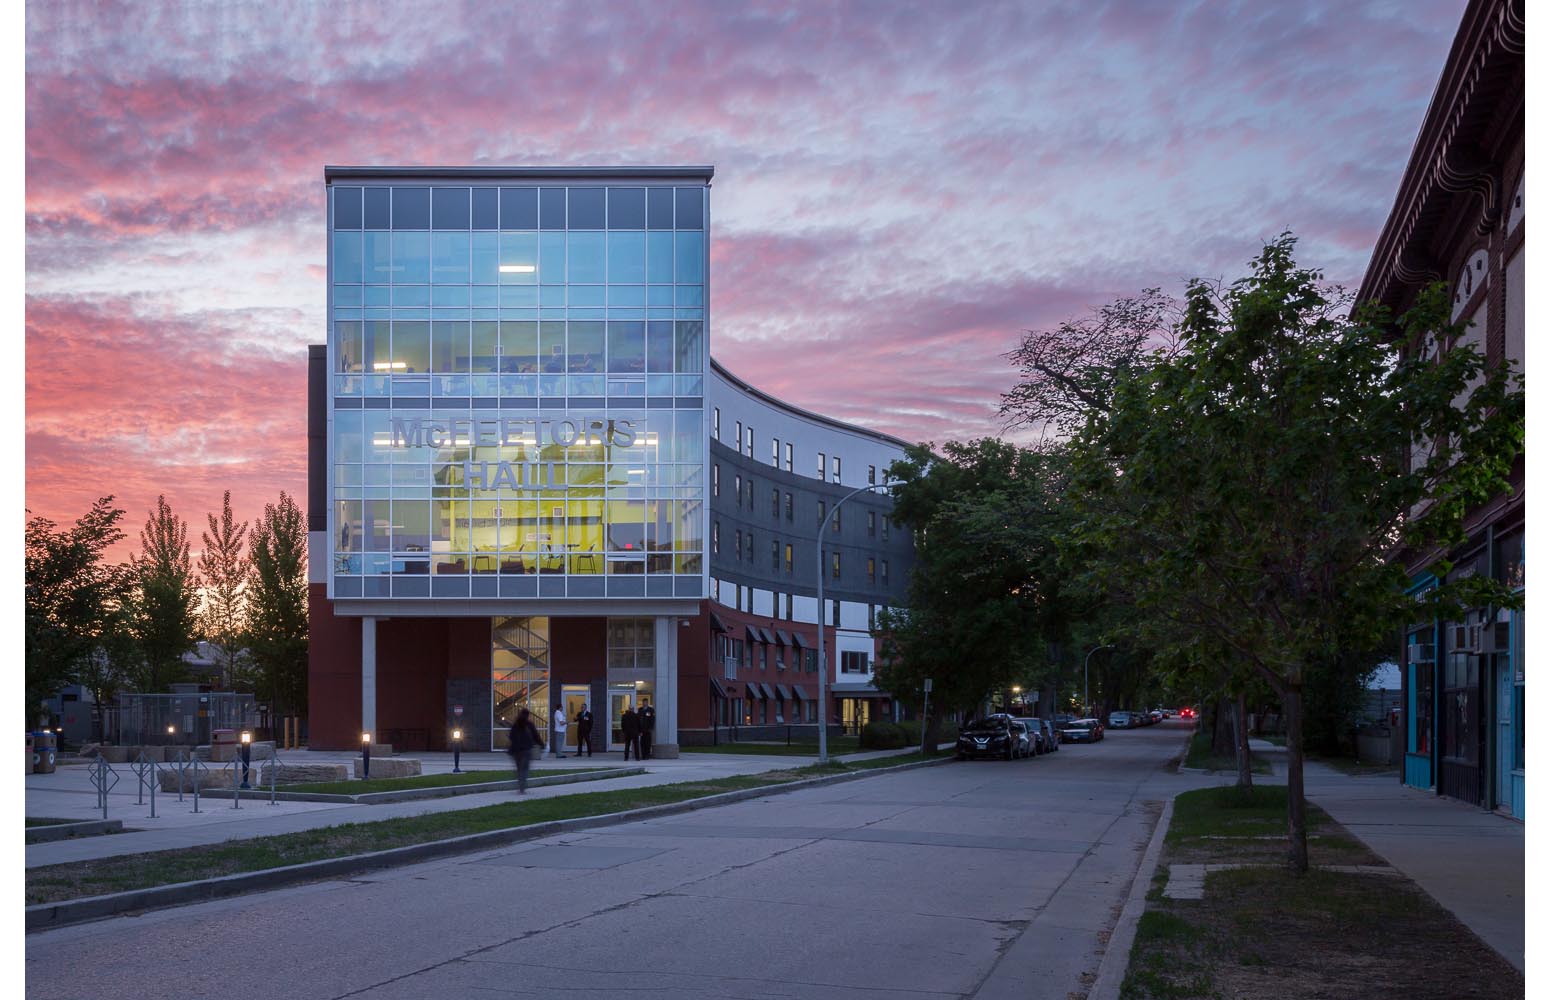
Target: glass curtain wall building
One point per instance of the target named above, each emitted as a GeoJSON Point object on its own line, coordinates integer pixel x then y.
{"type": "Point", "coordinates": [514, 404]}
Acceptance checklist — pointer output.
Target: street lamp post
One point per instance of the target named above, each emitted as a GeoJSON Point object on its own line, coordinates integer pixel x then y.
{"type": "Point", "coordinates": [457, 750]}
{"type": "Point", "coordinates": [365, 756]}
{"type": "Point", "coordinates": [1086, 701]}
{"type": "Point", "coordinates": [823, 664]}
{"type": "Point", "coordinates": [247, 756]}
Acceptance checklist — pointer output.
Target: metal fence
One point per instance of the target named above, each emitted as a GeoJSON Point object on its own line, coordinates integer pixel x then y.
{"type": "Point", "coordinates": [180, 719]}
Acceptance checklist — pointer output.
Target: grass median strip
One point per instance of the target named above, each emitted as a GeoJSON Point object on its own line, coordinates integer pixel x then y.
{"type": "Point", "coordinates": [838, 745]}
{"type": "Point", "coordinates": [1261, 931]}
{"type": "Point", "coordinates": [443, 780]}
{"type": "Point", "coordinates": [1200, 757]}
{"type": "Point", "coordinates": [74, 880]}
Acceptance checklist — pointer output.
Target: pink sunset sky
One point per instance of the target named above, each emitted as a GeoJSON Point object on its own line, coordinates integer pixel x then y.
{"type": "Point", "coordinates": [901, 188]}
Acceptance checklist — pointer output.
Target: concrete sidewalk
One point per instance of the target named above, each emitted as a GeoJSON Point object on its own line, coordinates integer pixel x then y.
{"type": "Point", "coordinates": [67, 794]}
{"type": "Point", "coordinates": [1469, 860]}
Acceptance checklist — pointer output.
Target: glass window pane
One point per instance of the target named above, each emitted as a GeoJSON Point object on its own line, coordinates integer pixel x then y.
{"type": "Point", "coordinates": [486, 213]}
{"type": "Point", "coordinates": [411, 258]}
{"type": "Point", "coordinates": [411, 347]}
{"type": "Point", "coordinates": [486, 346]}
{"type": "Point", "coordinates": [690, 345]}
{"type": "Point", "coordinates": [449, 258]}
{"type": "Point", "coordinates": [486, 257]}
{"type": "Point", "coordinates": [449, 208]}
{"type": "Point", "coordinates": [347, 257]}
{"type": "Point", "coordinates": [659, 346]}
{"type": "Point", "coordinates": [379, 214]}
{"type": "Point", "coordinates": [626, 346]}
{"type": "Point", "coordinates": [551, 258]}
{"type": "Point", "coordinates": [379, 257]}
{"type": "Point", "coordinates": [586, 346]}
{"type": "Point", "coordinates": [586, 208]}
{"type": "Point", "coordinates": [626, 208]}
{"type": "Point", "coordinates": [626, 258]}
{"type": "Point", "coordinates": [551, 208]}
{"type": "Point", "coordinates": [691, 208]}
{"type": "Point", "coordinates": [659, 208]}
{"type": "Point", "coordinates": [519, 259]}
{"type": "Point", "coordinates": [347, 208]}
{"type": "Point", "coordinates": [519, 208]}
{"type": "Point", "coordinates": [659, 258]}
{"type": "Point", "coordinates": [376, 336]}
{"type": "Point", "coordinates": [347, 346]}
{"type": "Point", "coordinates": [449, 346]}
{"type": "Point", "coordinates": [519, 346]}
{"type": "Point", "coordinates": [585, 259]}
{"type": "Point", "coordinates": [691, 258]}
{"type": "Point", "coordinates": [551, 345]}
{"type": "Point", "coordinates": [412, 208]}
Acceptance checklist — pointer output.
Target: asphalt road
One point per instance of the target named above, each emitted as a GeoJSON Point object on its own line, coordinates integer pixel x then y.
{"type": "Point", "coordinates": [970, 879]}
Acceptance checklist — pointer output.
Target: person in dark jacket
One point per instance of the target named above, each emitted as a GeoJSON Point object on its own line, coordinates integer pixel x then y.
{"type": "Point", "coordinates": [584, 731]}
{"type": "Point", "coordinates": [524, 737]}
{"type": "Point", "coordinates": [648, 730]}
{"type": "Point", "coordinates": [629, 722]}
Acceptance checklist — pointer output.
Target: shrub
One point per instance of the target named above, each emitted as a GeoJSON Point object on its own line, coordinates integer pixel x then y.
{"type": "Point", "coordinates": [883, 736]}
{"type": "Point", "coordinates": [947, 733]}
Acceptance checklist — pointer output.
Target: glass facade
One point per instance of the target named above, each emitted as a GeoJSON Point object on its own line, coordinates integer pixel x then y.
{"type": "Point", "coordinates": [517, 397]}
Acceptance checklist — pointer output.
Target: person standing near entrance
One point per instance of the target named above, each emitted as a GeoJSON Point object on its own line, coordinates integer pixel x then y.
{"type": "Point", "coordinates": [584, 731]}
{"type": "Point", "coordinates": [558, 748]}
{"type": "Point", "coordinates": [629, 724]}
{"type": "Point", "coordinates": [524, 737]}
{"type": "Point", "coordinates": [648, 730]}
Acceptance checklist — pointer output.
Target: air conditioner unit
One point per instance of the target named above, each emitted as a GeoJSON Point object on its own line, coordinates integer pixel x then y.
{"type": "Point", "coordinates": [1421, 652]}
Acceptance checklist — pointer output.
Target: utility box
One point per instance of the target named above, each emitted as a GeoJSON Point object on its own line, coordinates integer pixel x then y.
{"type": "Point", "coordinates": [223, 745]}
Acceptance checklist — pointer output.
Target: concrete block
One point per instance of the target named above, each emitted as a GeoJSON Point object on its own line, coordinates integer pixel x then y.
{"type": "Point", "coordinates": [389, 767]}
{"type": "Point", "coordinates": [115, 755]}
{"type": "Point", "coordinates": [295, 774]}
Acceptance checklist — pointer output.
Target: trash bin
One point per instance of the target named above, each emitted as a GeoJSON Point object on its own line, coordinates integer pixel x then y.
{"type": "Point", "coordinates": [32, 755]}
{"type": "Point", "coordinates": [45, 745]}
{"type": "Point", "coordinates": [223, 745]}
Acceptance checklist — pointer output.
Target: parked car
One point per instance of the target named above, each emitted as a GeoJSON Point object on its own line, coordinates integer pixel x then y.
{"type": "Point", "coordinates": [1082, 731]}
{"type": "Point", "coordinates": [1121, 720]}
{"type": "Point", "coordinates": [1156, 715]}
{"type": "Point", "coordinates": [1051, 734]}
{"type": "Point", "coordinates": [1035, 733]}
{"type": "Point", "coordinates": [997, 736]}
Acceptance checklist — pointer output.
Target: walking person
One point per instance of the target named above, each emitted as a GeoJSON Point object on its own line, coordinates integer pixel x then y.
{"type": "Point", "coordinates": [648, 730]}
{"type": "Point", "coordinates": [558, 747]}
{"type": "Point", "coordinates": [524, 737]}
{"type": "Point", "coordinates": [584, 731]}
{"type": "Point", "coordinates": [629, 723]}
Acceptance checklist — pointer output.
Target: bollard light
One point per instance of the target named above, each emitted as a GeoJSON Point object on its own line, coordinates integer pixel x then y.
{"type": "Point", "coordinates": [247, 756]}
{"type": "Point", "coordinates": [457, 751]}
{"type": "Point", "coordinates": [365, 756]}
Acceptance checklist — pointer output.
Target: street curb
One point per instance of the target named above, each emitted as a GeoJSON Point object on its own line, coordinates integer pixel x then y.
{"type": "Point", "coordinates": [1116, 956]}
{"type": "Point", "coordinates": [414, 794]}
{"type": "Point", "coordinates": [46, 916]}
{"type": "Point", "coordinates": [64, 831]}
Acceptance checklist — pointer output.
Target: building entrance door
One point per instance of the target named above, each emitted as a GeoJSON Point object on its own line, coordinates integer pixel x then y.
{"type": "Point", "coordinates": [1506, 742]}
{"type": "Point", "coordinates": [621, 697]}
{"type": "Point", "coordinates": [573, 697]}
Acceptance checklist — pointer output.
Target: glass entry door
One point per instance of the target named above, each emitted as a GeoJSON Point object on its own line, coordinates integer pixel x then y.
{"type": "Point", "coordinates": [573, 697]}
{"type": "Point", "coordinates": [620, 699]}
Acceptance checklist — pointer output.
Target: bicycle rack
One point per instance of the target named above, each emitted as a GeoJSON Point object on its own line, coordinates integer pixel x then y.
{"type": "Point", "coordinates": [145, 769]}
{"type": "Point", "coordinates": [195, 765]}
{"type": "Point", "coordinates": [103, 779]}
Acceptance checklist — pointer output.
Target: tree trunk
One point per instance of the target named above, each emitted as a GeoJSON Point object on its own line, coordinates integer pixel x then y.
{"type": "Point", "coordinates": [931, 727]}
{"type": "Point", "coordinates": [1223, 739]}
{"type": "Point", "coordinates": [1296, 810]}
{"type": "Point", "coordinates": [1241, 741]}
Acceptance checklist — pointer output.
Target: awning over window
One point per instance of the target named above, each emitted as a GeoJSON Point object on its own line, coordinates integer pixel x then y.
{"type": "Point", "coordinates": [783, 691]}
{"type": "Point", "coordinates": [716, 624]}
{"type": "Point", "coordinates": [782, 638]}
{"type": "Point", "coordinates": [717, 690]}
{"type": "Point", "coordinates": [754, 690]}
{"type": "Point", "coordinates": [768, 639]}
{"type": "Point", "coordinates": [801, 695]}
{"type": "Point", "coordinates": [753, 633]}
{"type": "Point", "coordinates": [798, 641]}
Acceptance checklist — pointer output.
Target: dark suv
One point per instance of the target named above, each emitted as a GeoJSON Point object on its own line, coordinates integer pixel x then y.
{"type": "Point", "coordinates": [994, 737]}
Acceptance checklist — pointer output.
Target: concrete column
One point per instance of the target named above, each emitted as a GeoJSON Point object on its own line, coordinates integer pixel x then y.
{"type": "Point", "coordinates": [666, 743]}
{"type": "Point", "coordinates": [369, 678]}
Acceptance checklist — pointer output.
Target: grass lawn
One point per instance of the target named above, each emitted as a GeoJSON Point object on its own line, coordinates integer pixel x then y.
{"type": "Point", "coordinates": [1199, 755]}
{"type": "Point", "coordinates": [138, 871]}
{"type": "Point", "coordinates": [422, 781]}
{"type": "Point", "coordinates": [1350, 765]}
{"type": "Point", "coordinates": [1262, 931]}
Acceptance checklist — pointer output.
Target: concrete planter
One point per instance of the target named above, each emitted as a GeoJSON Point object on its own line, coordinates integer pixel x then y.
{"type": "Point", "coordinates": [389, 767]}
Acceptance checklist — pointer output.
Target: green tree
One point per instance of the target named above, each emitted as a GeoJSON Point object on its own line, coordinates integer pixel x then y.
{"type": "Point", "coordinates": [224, 570]}
{"type": "Point", "coordinates": [985, 593]}
{"type": "Point", "coordinates": [165, 594]}
{"type": "Point", "coordinates": [75, 600]}
{"type": "Point", "coordinates": [277, 605]}
{"type": "Point", "coordinates": [1250, 488]}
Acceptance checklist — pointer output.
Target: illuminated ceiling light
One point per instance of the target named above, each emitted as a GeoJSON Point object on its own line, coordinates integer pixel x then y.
{"type": "Point", "coordinates": [517, 268]}
{"type": "Point", "coordinates": [382, 366]}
